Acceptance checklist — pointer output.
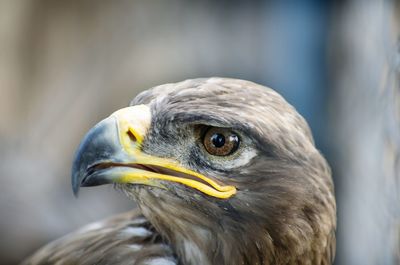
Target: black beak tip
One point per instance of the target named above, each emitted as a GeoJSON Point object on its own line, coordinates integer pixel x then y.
{"type": "Point", "coordinates": [101, 143]}
{"type": "Point", "coordinates": [77, 174]}
{"type": "Point", "coordinates": [76, 192]}
{"type": "Point", "coordinates": [75, 184]}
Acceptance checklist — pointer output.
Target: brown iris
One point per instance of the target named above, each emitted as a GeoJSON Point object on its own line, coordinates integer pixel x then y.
{"type": "Point", "coordinates": [220, 141]}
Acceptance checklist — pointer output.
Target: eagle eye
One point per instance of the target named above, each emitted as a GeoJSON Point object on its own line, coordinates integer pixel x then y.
{"type": "Point", "coordinates": [220, 141]}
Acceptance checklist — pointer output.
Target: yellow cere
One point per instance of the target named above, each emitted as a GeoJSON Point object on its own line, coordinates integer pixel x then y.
{"type": "Point", "coordinates": [134, 120]}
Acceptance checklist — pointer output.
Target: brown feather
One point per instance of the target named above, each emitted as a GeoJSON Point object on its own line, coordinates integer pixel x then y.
{"type": "Point", "coordinates": [124, 239]}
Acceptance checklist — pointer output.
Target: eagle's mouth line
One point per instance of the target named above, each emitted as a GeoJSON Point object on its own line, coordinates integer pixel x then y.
{"type": "Point", "coordinates": [150, 168]}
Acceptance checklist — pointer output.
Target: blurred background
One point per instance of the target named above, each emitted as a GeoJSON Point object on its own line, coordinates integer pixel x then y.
{"type": "Point", "coordinates": [65, 65]}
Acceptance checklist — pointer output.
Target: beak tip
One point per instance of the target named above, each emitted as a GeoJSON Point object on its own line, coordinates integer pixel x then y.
{"type": "Point", "coordinates": [101, 142]}
{"type": "Point", "coordinates": [75, 187]}
{"type": "Point", "coordinates": [76, 193]}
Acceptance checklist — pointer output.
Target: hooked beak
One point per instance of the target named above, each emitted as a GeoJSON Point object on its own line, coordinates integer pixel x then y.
{"type": "Point", "coordinates": [111, 153]}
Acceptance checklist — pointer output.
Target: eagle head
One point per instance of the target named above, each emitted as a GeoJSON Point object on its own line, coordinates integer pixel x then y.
{"type": "Point", "coordinates": [224, 169]}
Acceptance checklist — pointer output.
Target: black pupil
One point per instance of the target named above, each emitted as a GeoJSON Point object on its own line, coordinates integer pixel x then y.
{"type": "Point", "coordinates": [218, 140]}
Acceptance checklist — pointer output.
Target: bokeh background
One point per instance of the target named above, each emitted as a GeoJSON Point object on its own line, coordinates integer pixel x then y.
{"type": "Point", "coordinates": [65, 65]}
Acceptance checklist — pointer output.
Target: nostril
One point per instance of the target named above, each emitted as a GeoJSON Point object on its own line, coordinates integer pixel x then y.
{"type": "Point", "coordinates": [131, 136]}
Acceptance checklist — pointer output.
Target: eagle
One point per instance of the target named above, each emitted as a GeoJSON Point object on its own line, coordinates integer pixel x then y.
{"type": "Point", "coordinates": [223, 172]}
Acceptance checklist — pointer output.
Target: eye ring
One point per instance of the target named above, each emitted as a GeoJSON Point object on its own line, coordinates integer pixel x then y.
{"type": "Point", "coordinates": [220, 141]}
